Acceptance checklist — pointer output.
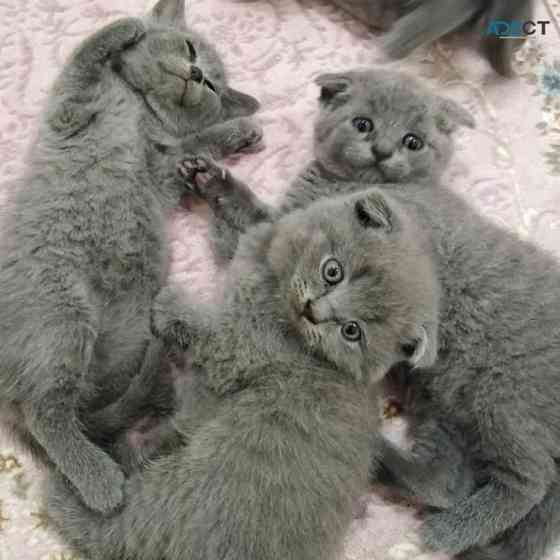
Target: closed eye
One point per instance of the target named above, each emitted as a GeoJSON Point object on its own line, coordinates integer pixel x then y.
{"type": "Point", "coordinates": [192, 50]}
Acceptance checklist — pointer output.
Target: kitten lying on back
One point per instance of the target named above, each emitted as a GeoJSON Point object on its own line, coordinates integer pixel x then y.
{"type": "Point", "coordinates": [319, 305]}
{"type": "Point", "coordinates": [419, 22]}
{"type": "Point", "coordinates": [487, 411]}
{"type": "Point", "coordinates": [83, 250]}
{"type": "Point", "coordinates": [374, 126]}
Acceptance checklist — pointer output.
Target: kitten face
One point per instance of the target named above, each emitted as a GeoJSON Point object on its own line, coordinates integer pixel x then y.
{"type": "Point", "coordinates": [384, 126]}
{"type": "Point", "coordinates": [360, 287]}
{"type": "Point", "coordinates": [178, 72]}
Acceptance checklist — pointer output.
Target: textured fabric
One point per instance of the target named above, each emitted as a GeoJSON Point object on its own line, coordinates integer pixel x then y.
{"type": "Point", "coordinates": [509, 167]}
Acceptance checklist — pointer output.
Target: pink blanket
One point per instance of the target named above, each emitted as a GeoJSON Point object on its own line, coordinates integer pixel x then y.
{"type": "Point", "coordinates": [509, 167]}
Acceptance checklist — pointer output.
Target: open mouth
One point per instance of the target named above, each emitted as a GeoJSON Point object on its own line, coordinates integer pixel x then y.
{"type": "Point", "coordinates": [209, 85]}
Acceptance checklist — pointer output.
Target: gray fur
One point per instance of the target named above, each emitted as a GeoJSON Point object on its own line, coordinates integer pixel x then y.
{"type": "Point", "coordinates": [396, 103]}
{"type": "Point", "coordinates": [485, 419]}
{"type": "Point", "coordinates": [83, 247]}
{"type": "Point", "coordinates": [280, 418]}
{"type": "Point", "coordinates": [420, 22]}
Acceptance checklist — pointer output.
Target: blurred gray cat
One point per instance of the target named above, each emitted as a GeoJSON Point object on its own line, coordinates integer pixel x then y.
{"type": "Point", "coordinates": [420, 22]}
{"type": "Point", "coordinates": [374, 126]}
{"type": "Point", "coordinates": [83, 249]}
{"type": "Point", "coordinates": [319, 305]}
{"type": "Point", "coordinates": [487, 412]}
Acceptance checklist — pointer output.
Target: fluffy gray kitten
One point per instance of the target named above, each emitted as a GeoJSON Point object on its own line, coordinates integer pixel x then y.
{"type": "Point", "coordinates": [419, 22]}
{"type": "Point", "coordinates": [83, 249]}
{"type": "Point", "coordinates": [278, 426]}
{"type": "Point", "coordinates": [484, 419]}
{"type": "Point", "coordinates": [373, 126]}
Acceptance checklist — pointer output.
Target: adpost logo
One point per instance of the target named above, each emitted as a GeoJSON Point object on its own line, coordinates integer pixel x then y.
{"type": "Point", "coordinates": [515, 29]}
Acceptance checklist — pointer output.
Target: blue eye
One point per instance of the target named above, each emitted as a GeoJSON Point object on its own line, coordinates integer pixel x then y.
{"type": "Point", "coordinates": [413, 142]}
{"type": "Point", "coordinates": [332, 272]}
{"type": "Point", "coordinates": [363, 125]}
{"type": "Point", "coordinates": [351, 331]}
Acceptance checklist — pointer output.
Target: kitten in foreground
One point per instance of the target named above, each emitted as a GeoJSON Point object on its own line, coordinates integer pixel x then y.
{"type": "Point", "coordinates": [278, 427]}
{"type": "Point", "coordinates": [83, 250]}
{"type": "Point", "coordinates": [484, 419]}
{"type": "Point", "coordinates": [420, 22]}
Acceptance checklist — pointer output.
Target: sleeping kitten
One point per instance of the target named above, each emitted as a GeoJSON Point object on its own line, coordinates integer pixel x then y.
{"type": "Point", "coordinates": [419, 22]}
{"type": "Point", "coordinates": [374, 126]}
{"type": "Point", "coordinates": [83, 249]}
{"type": "Point", "coordinates": [279, 425]}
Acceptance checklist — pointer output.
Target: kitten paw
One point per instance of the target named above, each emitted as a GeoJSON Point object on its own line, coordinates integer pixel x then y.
{"type": "Point", "coordinates": [164, 322]}
{"type": "Point", "coordinates": [250, 140]}
{"type": "Point", "coordinates": [103, 488]}
{"type": "Point", "coordinates": [444, 532]}
{"type": "Point", "coordinates": [197, 173]}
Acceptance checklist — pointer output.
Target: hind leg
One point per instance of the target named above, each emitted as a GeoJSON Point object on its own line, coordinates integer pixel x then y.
{"type": "Point", "coordinates": [531, 538]}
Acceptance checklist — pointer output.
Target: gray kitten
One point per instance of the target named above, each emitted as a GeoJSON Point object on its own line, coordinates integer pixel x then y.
{"type": "Point", "coordinates": [83, 249]}
{"type": "Point", "coordinates": [278, 428]}
{"type": "Point", "coordinates": [485, 420]}
{"type": "Point", "coordinates": [419, 22]}
{"type": "Point", "coordinates": [374, 126]}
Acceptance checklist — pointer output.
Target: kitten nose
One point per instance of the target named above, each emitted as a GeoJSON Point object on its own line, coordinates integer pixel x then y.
{"type": "Point", "coordinates": [381, 152]}
{"type": "Point", "coordinates": [308, 312]}
{"type": "Point", "coordinates": [196, 74]}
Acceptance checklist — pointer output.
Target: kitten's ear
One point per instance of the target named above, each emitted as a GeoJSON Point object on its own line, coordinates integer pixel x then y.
{"type": "Point", "coordinates": [422, 351]}
{"type": "Point", "coordinates": [334, 87]}
{"type": "Point", "coordinates": [238, 104]}
{"type": "Point", "coordinates": [170, 12]}
{"type": "Point", "coordinates": [450, 115]}
{"type": "Point", "coordinates": [372, 211]}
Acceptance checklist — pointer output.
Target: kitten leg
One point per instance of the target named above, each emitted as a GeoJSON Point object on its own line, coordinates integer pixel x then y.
{"type": "Point", "coordinates": [235, 208]}
{"type": "Point", "coordinates": [427, 23]}
{"type": "Point", "coordinates": [239, 135]}
{"type": "Point", "coordinates": [519, 473]}
{"type": "Point", "coordinates": [51, 416]}
{"type": "Point", "coordinates": [435, 471]}
{"type": "Point", "coordinates": [78, 87]}
{"type": "Point", "coordinates": [531, 538]}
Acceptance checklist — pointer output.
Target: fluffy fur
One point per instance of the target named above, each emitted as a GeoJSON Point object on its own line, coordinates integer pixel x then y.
{"type": "Point", "coordinates": [279, 421]}
{"type": "Point", "coordinates": [484, 419]}
{"type": "Point", "coordinates": [83, 248]}
{"type": "Point", "coordinates": [419, 22]}
{"type": "Point", "coordinates": [368, 124]}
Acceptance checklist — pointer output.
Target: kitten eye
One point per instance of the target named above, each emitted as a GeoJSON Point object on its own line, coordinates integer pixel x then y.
{"type": "Point", "coordinates": [332, 271]}
{"type": "Point", "coordinates": [192, 51]}
{"type": "Point", "coordinates": [412, 142]}
{"type": "Point", "coordinates": [363, 125]}
{"type": "Point", "coordinates": [351, 331]}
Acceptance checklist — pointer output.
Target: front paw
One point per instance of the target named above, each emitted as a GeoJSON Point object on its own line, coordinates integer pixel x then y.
{"type": "Point", "coordinates": [443, 532]}
{"type": "Point", "coordinates": [102, 489]}
{"type": "Point", "coordinates": [164, 321]}
{"type": "Point", "coordinates": [198, 171]}
{"type": "Point", "coordinates": [125, 33]}
{"type": "Point", "coordinates": [250, 139]}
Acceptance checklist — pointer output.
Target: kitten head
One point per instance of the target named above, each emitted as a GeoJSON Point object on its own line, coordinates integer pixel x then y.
{"type": "Point", "coordinates": [361, 289]}
{"type": "Point", "coordinates": [180, 75]}
{"type": "Point", "coordinates": [384, 126]}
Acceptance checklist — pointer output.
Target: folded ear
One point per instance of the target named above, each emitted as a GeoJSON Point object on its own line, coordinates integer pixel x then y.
{"type": "Point", "coordinates": [334, 88]}
{"type": "Point", "coordinates": [421, 352]}
{"type": "Point", "coordinates": [238, 104]}
{"type": "Point", "coordinates": [372, 211]}
{"type": "Point", "coordinates": [450, 115]}
{"type": "Point", "coordinates": [170, 13]}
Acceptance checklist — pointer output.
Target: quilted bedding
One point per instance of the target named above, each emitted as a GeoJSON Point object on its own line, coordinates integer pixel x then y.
{"type": "Point", "coordinates": [509, 167]}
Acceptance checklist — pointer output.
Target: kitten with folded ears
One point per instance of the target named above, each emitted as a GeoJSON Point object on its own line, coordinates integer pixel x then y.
{"type": "Point", "coordinates": [277, 429]}
{"type": "Point", "coordinates": [83, 245]}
